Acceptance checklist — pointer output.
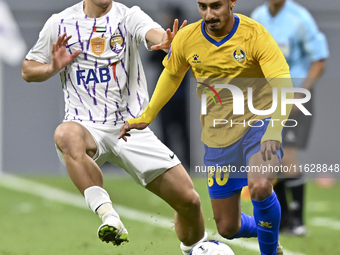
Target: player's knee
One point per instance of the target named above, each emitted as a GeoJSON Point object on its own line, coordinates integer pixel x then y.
{"type": "Point", "coordinates": [227, 229]}
{"type": "Point", "coordinates": [190, 204]}
{"type": "Point", "coordinates": [260, 189]}
{"type": "Point", "coordinates": [66, 138]}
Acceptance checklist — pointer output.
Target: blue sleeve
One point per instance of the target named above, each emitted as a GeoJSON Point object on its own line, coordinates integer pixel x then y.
{"type": "Point", "coordinates": [314, 42]}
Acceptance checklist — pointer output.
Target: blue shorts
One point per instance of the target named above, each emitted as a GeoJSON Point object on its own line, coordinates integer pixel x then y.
{"type": "Point", "coordinates": [224, 182]}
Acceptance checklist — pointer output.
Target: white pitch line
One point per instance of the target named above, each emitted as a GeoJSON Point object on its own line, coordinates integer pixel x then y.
{"type": "Point", "coordinates": [326, 222]}
{"type": "Point", "coordinates": [58, 195]}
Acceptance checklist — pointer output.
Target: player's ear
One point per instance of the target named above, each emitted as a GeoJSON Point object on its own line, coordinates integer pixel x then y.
{"type": "Point", "coordinates": [232, 3]}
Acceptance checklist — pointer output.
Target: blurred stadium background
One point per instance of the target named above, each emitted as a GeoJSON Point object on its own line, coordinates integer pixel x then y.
{"type": "Point", "coordinates": [31, 112]}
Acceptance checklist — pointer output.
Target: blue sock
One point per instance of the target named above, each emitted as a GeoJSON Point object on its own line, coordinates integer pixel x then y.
{"type": "Point", "coordinates": [248, 227]}
{"type": "Point", "coordinates": [267, 214]}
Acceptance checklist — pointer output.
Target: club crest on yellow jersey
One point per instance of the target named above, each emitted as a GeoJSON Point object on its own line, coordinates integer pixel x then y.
{"type": "Point", "coordinates": [239, 55]}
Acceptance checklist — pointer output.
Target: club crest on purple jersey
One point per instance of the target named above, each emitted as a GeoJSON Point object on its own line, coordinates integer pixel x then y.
{"type": "Point", "coordinates": [117, 43]}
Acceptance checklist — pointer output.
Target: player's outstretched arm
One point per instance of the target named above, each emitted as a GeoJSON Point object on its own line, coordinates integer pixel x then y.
{"type": "Point", "coordinates": [166, 87]}
{"type": "Point", "coordinates": [33, 71]}
{"type": "Point", "coordinates": [271, 140]}
{"type": "Point", "coordinates": [159, 39]}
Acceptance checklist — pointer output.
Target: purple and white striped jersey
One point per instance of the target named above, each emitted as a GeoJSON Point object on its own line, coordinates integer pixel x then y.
{"type": "Point", "coordinates": [106, 83]}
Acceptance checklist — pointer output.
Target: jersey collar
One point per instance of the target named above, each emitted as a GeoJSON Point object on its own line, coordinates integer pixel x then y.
{"type": "Point", "coordinates": [232, 32]}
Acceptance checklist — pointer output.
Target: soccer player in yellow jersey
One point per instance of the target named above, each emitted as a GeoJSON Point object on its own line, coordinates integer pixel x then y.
{"type": "Point", "coordinates": [232, 49]}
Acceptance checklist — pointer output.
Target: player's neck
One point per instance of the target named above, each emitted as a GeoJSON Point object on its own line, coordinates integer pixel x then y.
{"type": "Point", "coordinates": [92, 10]}
{"type": "Point", "coordinates": [275, 8]}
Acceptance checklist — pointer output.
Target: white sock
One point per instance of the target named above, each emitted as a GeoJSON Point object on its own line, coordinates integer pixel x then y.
{"type": "Point", "coordinates": [96, 196]}
{"type": "Point", "coordinates": [187, 249]}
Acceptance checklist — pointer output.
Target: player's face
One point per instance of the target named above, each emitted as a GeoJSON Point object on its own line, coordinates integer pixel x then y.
{"type": "Point", "coordinates": [102, 3]}
{"type": "Point", "coordinates": [217, 15]}
{"type": "Point", "coordinates": [276, 2]}
{"type": "Point", "coordinates": [97, 8]}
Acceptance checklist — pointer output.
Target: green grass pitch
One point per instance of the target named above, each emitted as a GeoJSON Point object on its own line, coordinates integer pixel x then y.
{"type": "Point", "coordinates": [33, 225]}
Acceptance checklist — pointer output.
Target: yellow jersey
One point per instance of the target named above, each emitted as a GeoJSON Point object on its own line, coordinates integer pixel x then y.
{"type": "Point", "coordinates": [243, 58]}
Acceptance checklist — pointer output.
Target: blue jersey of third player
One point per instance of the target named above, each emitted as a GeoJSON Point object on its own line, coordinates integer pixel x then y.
{"type": "Point", "coordinates": [297, 35]}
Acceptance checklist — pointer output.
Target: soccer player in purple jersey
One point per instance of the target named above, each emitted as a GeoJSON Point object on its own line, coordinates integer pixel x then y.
{"type": "Point", "coordinates": [93, 45]}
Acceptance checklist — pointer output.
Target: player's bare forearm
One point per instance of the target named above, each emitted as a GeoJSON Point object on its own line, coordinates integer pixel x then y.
{"type": "Point", "coordinates": [159, 39]}
{"type": "Point", "coordinates": [33, 71]}
{"type": "Point", "coordinates": [155, 36]}
{"type": "Point", "coordinates": [315, 72]}
{"type": "Point", "coordinates": [37, 72]}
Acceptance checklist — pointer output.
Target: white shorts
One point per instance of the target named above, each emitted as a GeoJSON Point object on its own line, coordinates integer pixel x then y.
{"type": "Point", "coordinates": [143, 156]}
